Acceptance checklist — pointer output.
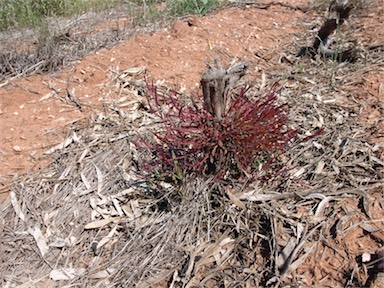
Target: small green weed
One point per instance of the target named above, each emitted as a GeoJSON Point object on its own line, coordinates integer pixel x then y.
{"type": "Point", "coordinates": [184, 7]}
{"type": "Point", "coordinates": [143, 11]}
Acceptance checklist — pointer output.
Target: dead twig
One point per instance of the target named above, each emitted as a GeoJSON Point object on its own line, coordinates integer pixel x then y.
{"type": "Point", "coordinates": [269, 4]}
{"type": "Point", "coordinates": [30, 70]}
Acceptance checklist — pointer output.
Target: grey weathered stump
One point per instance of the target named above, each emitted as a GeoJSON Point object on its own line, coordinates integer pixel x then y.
{"type": "Point", "coordinates": [216, 83]}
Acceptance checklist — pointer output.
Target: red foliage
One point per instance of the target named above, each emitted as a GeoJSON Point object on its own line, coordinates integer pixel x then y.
{"type": "Point", "coordinates": [251, 132]}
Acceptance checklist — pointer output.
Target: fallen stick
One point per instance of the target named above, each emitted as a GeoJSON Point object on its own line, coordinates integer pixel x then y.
{"type": "Point", "coordinates": [26, 71]}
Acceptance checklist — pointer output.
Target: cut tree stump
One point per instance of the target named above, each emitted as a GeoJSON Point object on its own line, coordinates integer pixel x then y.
{"type": "Point", "coordinates": [216, 83]}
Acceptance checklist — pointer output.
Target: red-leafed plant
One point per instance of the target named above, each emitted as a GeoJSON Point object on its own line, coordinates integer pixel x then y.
{"type": "Point", "coordinates": [247, 138]}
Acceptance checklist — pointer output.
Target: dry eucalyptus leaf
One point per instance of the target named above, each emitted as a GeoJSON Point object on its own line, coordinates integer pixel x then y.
{"type": "Point", "coordinates": [100, 223]}
{"type": "Point", "coordinates": [16, 206]}
{"type": "Point", "coordinates": [134, 71]}
{"type": "Point", "coordinates": [66, 273]}
{"type": "Point", "coordinates": [41, 241]}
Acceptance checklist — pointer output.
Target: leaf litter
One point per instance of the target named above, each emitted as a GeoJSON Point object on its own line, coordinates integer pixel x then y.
{"type": "Point", "coordinates": [92, 219]}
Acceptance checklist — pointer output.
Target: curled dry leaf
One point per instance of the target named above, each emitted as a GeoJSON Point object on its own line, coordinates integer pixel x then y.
{"type": "Point", "coordinates": [40, 239]}
{"type": "Point", "coordinates": [66, 273]}
{"type": "Point", "coordinates": [100, 223]}
{"type": "Point", "coordinates": [16, 206]}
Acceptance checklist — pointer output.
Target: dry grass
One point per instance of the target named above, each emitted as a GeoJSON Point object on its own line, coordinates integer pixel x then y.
{"type": "Point", "coordinates": [92, 219]}
{"type": "Point", "coordinates": [50, 43]}
{"type": "Point", "coordinates": [58, 41]}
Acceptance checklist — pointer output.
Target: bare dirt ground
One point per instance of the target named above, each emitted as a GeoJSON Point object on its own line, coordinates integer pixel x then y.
{"type": "Point", "coordinates": [37, 110]}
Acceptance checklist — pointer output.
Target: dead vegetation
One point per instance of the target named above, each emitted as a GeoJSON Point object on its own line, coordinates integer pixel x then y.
{"type": "Point", "coordinates": [59, 41]}
{"type": "Point", "coordinates": [93, 219]}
